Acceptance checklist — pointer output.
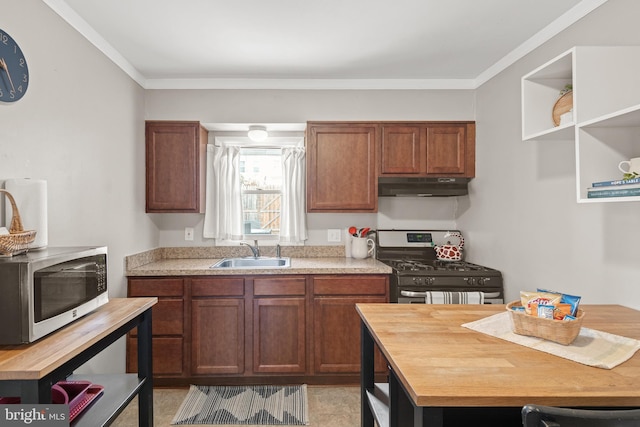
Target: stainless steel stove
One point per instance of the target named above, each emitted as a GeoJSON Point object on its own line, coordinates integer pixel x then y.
{"type": "Point", "coordinates": [416, 269]}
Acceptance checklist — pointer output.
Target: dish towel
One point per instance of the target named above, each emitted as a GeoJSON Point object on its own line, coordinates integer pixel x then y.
{"type": "Point", "coordinates": [591, 347]}
{"type": "Point", "coordinates": [454, 298]}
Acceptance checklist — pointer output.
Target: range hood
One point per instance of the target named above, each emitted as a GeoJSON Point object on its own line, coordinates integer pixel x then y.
{"type": "Point", "coordinates": [422, 187]}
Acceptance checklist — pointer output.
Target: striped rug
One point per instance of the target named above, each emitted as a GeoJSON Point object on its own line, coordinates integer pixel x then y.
{"type": "Point", "coordinates": [252, 405]}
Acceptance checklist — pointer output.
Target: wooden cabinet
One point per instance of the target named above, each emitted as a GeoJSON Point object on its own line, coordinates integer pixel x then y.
{"type": "Point", "coordinates": [167, 327]}
{"type": "Point", "coordinates": [279, 325]}
{"type": "Point", "coordinates": [401, 150]}
{"type": "Point", "coordinates": [428, 149]}
{"type": "Point", "coordinates": [257, 328]}
{"type": "Point", "coordinates": [451, 150]}
{"type": "Point", "coordinates": [217, 326]}
{"type": "Point", "coordinates": [341, 167]}
{"type": "Point", "coordinates": [336, 324]}
{"type": "Point", "coordinates": [175, 166]}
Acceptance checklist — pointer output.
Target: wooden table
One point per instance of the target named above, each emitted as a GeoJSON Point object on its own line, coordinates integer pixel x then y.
{"type": "Point", "coordinates": [28, 371]}
{"type": "Point", "coordinates": [444, 374]}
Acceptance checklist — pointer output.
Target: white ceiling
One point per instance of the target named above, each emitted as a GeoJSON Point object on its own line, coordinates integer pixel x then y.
{"type": "Point", "coordinates": [378, 44]}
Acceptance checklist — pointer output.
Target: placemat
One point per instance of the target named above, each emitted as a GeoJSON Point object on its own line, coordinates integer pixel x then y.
{"type": "Point", "coordinates": [591, 347]}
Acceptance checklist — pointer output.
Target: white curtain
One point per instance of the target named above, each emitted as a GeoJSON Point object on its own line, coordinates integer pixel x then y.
{"type": "Point", "coordinates": [223, 215]}
{"type": "Point", "coordinates": [293, 218]}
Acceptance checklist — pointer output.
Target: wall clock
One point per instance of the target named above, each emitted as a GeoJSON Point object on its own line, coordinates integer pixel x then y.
{"type": "Point", "coordinates": [14, 74]}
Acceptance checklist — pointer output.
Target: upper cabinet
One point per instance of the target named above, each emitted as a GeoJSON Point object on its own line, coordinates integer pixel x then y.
{"type": "Point", "coordinates": [344, 159]}
{"type": "Point", "coordinates": [605, 120]}
{"type": "Point", "coordinates": [341, 167]}
{"type": "Point", "coordinates": [428, 149]}
{"type": "Point", "coordinates": [175, 170]}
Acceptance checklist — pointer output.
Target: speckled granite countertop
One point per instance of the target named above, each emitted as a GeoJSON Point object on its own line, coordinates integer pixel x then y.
{"type": "Point", "coordinates": [196, 262]}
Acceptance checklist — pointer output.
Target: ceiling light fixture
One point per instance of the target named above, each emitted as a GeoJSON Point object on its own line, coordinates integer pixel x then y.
{"type": "Point", "coordinates": [258, 133]}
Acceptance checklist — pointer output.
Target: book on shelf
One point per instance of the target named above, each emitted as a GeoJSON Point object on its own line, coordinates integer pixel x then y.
{"type": "Point", "coordinates": [614, 187]}
{"type": "Point", "coordinates": [614, 192]}
{"type": "Point", "coordinates": [616, 182]}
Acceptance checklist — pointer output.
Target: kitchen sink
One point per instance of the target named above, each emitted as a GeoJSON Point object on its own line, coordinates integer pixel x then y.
{"type": "Point", "coordinates": [251, 262]}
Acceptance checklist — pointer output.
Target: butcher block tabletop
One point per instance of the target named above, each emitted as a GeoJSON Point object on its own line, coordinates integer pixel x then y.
{"type": "Point", "coordinates": [35, 360]}
{"type": "Point", "coordinates": [442, 364]}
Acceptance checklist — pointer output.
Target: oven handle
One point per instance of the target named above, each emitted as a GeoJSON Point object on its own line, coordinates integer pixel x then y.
{"type": "Point", "coordinates": [487, 295]}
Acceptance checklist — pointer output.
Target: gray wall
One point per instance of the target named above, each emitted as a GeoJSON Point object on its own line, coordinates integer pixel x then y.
{"type": "Point", "coordinates": [80, 127]}
{"type": "Point", "coordinates": [523, 217]}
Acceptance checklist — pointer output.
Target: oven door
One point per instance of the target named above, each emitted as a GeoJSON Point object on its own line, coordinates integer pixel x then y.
{"type": "Point", "coordinates": [407, 296]}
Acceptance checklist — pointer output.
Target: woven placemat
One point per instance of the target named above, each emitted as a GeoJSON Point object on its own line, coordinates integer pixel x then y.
{"type": "Point", "coordinates": [591, 347]}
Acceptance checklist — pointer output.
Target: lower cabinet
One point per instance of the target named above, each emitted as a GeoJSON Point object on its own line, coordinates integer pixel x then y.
{"type": "Point", "coordinates": [168, 331]}
{"type": "Point", "coordinates": [240, 329]}
{"type": "Point", "coordinates": [336, 323]}
{"type": "Point", "coordinates": [279, 325]}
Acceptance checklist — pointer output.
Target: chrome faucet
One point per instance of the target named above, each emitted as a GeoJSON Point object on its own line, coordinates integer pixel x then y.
{"type": "Point", "coordinates": [254, 249]}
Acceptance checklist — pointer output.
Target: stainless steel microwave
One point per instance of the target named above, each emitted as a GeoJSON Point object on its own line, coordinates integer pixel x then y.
{"type": "Point", "coordinates": [43, 291]}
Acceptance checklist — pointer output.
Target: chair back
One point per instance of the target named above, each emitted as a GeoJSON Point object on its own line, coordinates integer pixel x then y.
{"type": "Point", "coordinates": [548, 416]}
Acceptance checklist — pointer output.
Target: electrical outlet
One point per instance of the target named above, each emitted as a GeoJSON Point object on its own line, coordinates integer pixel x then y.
{"type": "Point", "coordinates": [333, 235]}
{"type": "Point", "coordinates": [188, 233]}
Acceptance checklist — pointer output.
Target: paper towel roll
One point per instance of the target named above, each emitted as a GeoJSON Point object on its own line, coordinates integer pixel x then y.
{"type": "Point", "coordinates": [31, 200]}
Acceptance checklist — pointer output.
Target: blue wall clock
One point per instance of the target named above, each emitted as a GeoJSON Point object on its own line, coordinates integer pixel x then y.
{"type": "Point", "coordinates": [14, 73]}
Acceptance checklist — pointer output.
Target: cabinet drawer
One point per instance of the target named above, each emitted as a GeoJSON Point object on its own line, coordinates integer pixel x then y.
{"type": "Point", "coordinates": [279, 286]}
{"type": "Point", "coordinates": [155, 288]}
{"type": "Point", "coordinates": [347, 285]}
{"type": "Point", "coordinates": [167, 317]}
{"type": "Point", "coordinates": [217, 287]}
{"type": "Point", "coordinates": [167, 356]}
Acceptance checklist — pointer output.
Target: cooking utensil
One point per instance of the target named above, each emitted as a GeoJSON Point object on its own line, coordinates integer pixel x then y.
{"type": "Point", "coordinates": [353, 231]}
{"type": "Point", "coordinates": [364, 232]}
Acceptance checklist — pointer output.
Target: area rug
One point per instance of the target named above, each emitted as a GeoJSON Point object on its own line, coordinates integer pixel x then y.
{"type": "Point", "coordinates": [252, 405]}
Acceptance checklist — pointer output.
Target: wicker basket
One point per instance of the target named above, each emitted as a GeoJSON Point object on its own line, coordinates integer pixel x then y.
{"type": "Point", "coordinates": [18, 240]}
{"type": "Point", "coordinates": [560, 331]}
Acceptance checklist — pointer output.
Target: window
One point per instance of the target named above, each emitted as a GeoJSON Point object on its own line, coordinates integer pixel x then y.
{"type": "Point", "coordinates": [261, 188]}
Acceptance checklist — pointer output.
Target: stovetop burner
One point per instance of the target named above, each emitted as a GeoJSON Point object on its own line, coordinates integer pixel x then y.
{"type": "Point", "coordinates": [403, 266]}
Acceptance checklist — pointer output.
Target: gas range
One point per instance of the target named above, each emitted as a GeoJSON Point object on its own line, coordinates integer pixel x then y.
{"type": "Point", "coordinates": [416, 269]}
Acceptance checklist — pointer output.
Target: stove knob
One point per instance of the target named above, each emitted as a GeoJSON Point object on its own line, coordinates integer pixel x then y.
{"type": "Point", "coordinates": [481, 281]}
{"type": "Point", "coordinates": [471, 281]}
{"type": "Point", "coordinates": [417, 280]}
{"type": "Point", "coordinates": [430, 280]}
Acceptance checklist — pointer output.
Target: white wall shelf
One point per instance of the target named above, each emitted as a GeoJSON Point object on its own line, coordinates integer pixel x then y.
{"type": "Point", "coordinates": [606, 110]}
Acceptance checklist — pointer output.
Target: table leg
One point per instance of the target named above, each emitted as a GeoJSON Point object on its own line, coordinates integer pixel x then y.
{"type": "Point", "coordinates": [367, 375]}
{"type": "Point", "coordinates": [145, 370]}
{"type": "Point", "coordinates": [404, 412]}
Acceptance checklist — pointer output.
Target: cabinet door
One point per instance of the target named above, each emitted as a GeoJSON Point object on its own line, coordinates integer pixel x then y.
{"type": "Point", "coordinates": [279, 336]}
{"type": "Point", "coordinates": [341, 168]}
{"type": "Point", "coordinates": [400, 150]}
{"type": "Point", "coordinates": [217, 339]}
{"type": "Point", "coordinates": [175, 155]}
{"type": "Point", "coordinates": [336, 327]}
{"type": "Point", "coordinates": [448, 151]}
{"type": "Point", "coordinates": [167, 353]}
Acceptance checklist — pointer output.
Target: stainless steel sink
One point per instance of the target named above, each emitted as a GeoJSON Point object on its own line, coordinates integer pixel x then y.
{"type": "Point", "coordinates": [251, 262]}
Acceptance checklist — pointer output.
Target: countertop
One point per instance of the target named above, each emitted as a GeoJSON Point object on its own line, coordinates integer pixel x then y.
{"type": "Point", "coordinates": [36, 360]}
{"type": "Point", "coordinates": [440, 363]}
{"type": "Point", "coordinates": [197, 262]}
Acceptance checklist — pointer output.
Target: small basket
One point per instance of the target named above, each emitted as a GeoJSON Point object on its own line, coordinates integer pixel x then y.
{"type": "Point", "coordinates": [560, 331]}
{"type": "Point", "coordinates": [18, 240]}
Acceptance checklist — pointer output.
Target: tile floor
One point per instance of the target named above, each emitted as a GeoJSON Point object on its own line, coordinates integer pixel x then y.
{"type": "Point", "coordinates": [329, 406]}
